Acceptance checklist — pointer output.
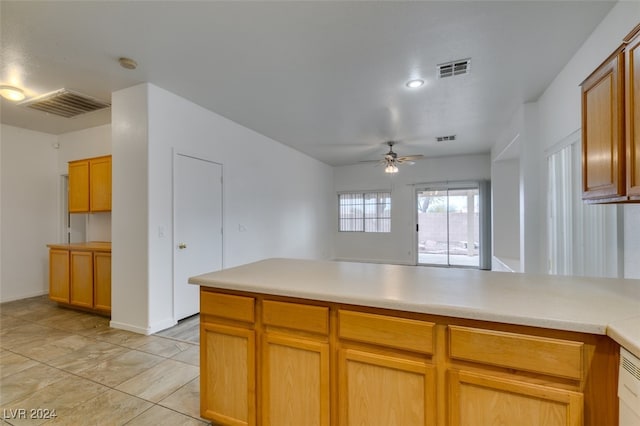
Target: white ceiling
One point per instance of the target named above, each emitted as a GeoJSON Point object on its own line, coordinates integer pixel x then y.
{"type": "Point", "coordinates": [327, 78]}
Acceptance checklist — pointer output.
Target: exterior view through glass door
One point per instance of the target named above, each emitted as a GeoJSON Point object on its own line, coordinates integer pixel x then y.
{"type": "Point", "coordinates": [448, 227]}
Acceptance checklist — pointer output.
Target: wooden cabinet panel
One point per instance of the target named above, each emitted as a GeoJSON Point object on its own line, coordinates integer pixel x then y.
{"type": "Point", "coordinates": [102, 280]}
{"type": "Point", "coordinates": [603, 138]}
{"type": "Point", "coordinates": [477, 399]}
{"type": "Point", "coordinates": [90, 185]}
{"type": "Point", "coordinates": [81, 278]}
{"type": "Point", "coordinates": [78, 186]}
{"type": "Point", "coordinates": [100, 184]}
{"type": "Point", "coordinates": [385, 330]}
{"type": "Point", "coordinates": [376, 389]}
{"type": "Point", "coordinates": [554, 357]}
{"type": "Point", "coordinates": [632, 61]}
{"type": "Point", "coordinates": [227, 374]}
{"type": "Point", "coordinates": [314, 319]}
{"type": "Point", "coordinates": [228, 306]}
{"type": "Point", "coordinates": [295, 381]}
{"type": "Point", "coordinates": [59, 275]}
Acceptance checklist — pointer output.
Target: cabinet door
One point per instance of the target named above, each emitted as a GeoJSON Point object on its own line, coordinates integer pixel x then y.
{"type": "Point", "coordinates": [100, 184]}
{"type": "Point", "coordinates": [477, 399]}
{"type": "Point", "coordinates": [81, 279]}
{"type": "Point", "coordinates": [295, 381]}
{"type": "Point", "coordinates": [603, 153]}
{"type": "Point", "coordinates": [632, 55]}
{"type": "Point", "coordinates": [59, 275]}
{"type": "Point", "coordinates": [102, 280]}
{"type": "Point", "coordinates": [376, 389]}
{"type": "Point", "coordinates": [228, 379]}
{"type": "Point", "coordinates": [79, 186]}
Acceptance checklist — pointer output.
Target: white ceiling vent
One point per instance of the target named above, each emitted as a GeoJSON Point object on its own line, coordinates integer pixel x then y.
{"type": "Point", "coordinates": [65, 103]}
{"type": "Point", "coordinates": [445, 138]}
{"type": "Point", "coordinates": [452, 68]}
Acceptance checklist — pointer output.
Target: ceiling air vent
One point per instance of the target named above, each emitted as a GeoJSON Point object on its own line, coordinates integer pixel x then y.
{"type": "Point", "coordinates": [65, 103]}
{"type": "Point", "coordinates": [452, 68]}
{"type": "Point", "coordinates": [445, 138]}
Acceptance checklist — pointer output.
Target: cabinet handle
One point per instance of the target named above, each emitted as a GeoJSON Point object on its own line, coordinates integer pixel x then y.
{"type": "Point", "coordinates": [182, 246]}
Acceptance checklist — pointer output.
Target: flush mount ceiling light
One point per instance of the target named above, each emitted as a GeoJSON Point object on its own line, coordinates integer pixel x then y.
{"type": "Point", "coordinates": [128, 63]}
{"type": "Point", "coordinates": [414, 84]}
{"type": "Point", "coordinates": [12, 93]}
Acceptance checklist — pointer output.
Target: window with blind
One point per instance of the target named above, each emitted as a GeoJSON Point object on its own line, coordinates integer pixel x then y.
{"type": "Point", "coordinates": [364, 212]}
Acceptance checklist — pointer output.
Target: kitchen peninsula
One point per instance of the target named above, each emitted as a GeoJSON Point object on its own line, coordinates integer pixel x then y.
{"type": "Point", "coordinates": [320, 342]}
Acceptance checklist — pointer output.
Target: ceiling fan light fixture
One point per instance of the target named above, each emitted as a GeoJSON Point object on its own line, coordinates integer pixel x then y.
{"type": "Point", "coordinates": [391, 168]}
{"type": "Point", "coordinates": [12, 93]}
{"type": "Point", "coordinates": [414, 84]}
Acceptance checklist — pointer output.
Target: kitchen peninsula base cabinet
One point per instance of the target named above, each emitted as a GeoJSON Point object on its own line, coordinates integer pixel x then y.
{"type": "Point", "coordinates": [80, 275]}
{"type": "Point", "coordinates": [279, 360]}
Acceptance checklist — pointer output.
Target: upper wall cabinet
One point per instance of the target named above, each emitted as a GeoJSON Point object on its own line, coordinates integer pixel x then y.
{"type": "Point", "coordinates": [90, 185]}
{"type": "Point", "coordinates": [610, 153]}
{"type": "Point", "coordinates": [632, 61]}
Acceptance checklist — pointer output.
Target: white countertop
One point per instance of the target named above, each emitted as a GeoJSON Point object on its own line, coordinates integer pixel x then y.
{"type": "Point", "coordinates": [590, 305]}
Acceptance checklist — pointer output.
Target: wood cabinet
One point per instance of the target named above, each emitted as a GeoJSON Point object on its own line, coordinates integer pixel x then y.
{"type": "Point", "coordinates": [295, 364]}
{"type": "Point", "coordinates": [81, 287]}
{"type": "Point", "coordinates": [227, 359]}
{"type": "Point", "coordinates": [59, 275]}
{"type": "Point", "coordinates": [274, 360]}
{"type": "Point", "coordinates": [90, 185]}
{"type": "Point", "coordinates": [488, 396]}
{"type": "Point", "coordinates": [80, 275]}
{"type": "Point", "coordinates": [632, 63]}
{"type": "Point", "coordinates": [610, 166]}
{"type": "Point", "coordinates": [478, 399]}
{"type": "Point", "coordinates": [378, 387]}
{"type": "Point", "coordinates": [102, 280]}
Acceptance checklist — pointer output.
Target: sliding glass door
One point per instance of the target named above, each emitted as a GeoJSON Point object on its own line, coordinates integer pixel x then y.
{"type": "Point", "coordinates": [448, 227]}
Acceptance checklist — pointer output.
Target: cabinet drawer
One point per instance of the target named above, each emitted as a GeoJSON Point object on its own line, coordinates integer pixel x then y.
{"type": "Point", "coordinates": [296, 316]}
{"type": "Point", "coordinates": [239, 308]}
{"type": "Point", "coordinates": [561, 358]}
{"type": "Point", "coordinates": [388, 331]}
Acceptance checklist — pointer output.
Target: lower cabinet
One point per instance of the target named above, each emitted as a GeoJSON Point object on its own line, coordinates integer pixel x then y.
{"type": "Point", "coordinates": [378, 389]}
{"type": "Point", "coordinates": [295, 381]}
{"type": "Point", "coordinates": [289, 362]}
{"type": "Point", "coordinates": [228, 374]}
{"type": "Point", "coordinates": [80, 278]}
{"type": "Point", "coordinates": [59, 275]}
{"type": "Point", "coordinates": [478, 399]}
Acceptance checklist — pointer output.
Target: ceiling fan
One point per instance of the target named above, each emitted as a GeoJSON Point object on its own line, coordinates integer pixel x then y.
{"type": "Point", "coordinates": [391, 159]}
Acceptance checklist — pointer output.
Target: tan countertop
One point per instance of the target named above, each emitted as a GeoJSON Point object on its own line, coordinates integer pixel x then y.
{"type": "Point", "coordinates": [589, 305]}
{"type": "Point", "coordinates": [89, 246]}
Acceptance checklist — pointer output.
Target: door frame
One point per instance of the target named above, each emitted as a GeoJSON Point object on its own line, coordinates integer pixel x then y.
{"type": "Point", "coordinates": [174, 155]}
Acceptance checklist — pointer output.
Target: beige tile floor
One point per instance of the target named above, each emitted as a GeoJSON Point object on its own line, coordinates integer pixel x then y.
{"type": "Point", "coordinates": [53, 358]}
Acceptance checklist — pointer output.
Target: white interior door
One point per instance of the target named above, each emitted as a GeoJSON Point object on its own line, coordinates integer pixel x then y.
{"type": "Point", "coordinates": [197, 206]}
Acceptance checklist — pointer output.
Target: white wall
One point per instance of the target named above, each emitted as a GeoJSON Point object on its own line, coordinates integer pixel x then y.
{"type": "Point", "coordinates": [28, 206]}
{"type": "Point", "coordinates": [560, 109]}
{"type": "Point", "coordinates": [505, 193]}
{"type": "Point", "coordinates": [281, 199]}
{"type": "Point", "coordinates": [398, 245]}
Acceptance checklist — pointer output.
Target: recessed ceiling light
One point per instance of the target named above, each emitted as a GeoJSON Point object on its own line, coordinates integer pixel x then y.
{"type": "Point", "coordinates": [414, 84]}
{"type": "Point", "coordinates": [12, 93]}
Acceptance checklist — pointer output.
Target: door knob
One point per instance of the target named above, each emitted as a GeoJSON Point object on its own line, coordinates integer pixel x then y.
{"type": "Point", "coordinates": [182, 246]}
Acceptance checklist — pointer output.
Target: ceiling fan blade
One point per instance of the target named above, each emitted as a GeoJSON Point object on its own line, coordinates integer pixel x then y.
{"type": "Point", "coordinates": [409, 158]}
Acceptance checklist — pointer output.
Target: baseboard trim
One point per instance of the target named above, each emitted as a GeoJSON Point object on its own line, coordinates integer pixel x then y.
{"type": "Point", "coordinates": [154, 328]}
{"type": "Point", "coordinates": [24, 296]}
